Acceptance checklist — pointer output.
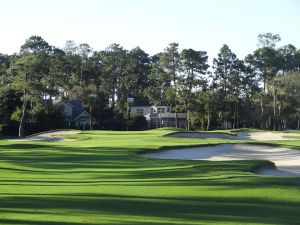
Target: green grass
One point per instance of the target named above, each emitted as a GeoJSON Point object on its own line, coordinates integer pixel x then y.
{"type": "Point", "coordinates": [292, 136]}
{"type": "Point", "coordinates": [100, 179]}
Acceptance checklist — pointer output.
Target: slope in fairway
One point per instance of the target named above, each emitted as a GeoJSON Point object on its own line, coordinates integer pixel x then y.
{"type": "Point", "coordinates": [100, 179]}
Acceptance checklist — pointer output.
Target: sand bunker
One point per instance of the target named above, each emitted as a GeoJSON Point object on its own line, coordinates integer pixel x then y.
{"type": "Point", "coordinates": [267, 136]}
{"type": "Point", "coordinates": [287, 161]}
{"type": "Point", "coordinates": [243, 135]}
{"type": "Point", "coordinates": [49, 136]}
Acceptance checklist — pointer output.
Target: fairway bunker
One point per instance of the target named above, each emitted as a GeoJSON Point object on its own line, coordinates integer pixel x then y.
{"type": "Point", "coordinates": [287, 161]}
{"type": "Point", "coordinates": [51, 136]}
{"type": "Point", "coordinates": [241, 135]}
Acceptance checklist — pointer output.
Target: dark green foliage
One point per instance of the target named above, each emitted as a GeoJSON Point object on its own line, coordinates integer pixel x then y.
{"type": "Point", "coordinates": [35, 44]}
{"type": "Point", "coordinates": [4, 66]}
{"type": "Point", "coordinates": [256, 92]}
{"type": "Point", "coordinates": [10, 99]}
{"type": "Point", "coordinates": [115, 124]}
{"type": "Point", "coordinates": [137, 123]}
{"type": "Point", "coordinates": [9, 129]}
{"type": "Point", "coordinates": [45, 118]}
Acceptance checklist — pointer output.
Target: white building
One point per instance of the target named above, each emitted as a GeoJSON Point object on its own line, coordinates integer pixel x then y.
{"type": "Point", "coordinates": [159, 116]}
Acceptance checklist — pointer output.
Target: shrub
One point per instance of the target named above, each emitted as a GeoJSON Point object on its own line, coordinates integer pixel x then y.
{"type": "Point", "coordinates": [137, 123]}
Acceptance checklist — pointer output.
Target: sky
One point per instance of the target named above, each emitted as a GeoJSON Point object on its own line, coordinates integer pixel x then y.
{"type": "Point", "coordinates": [150, 24]}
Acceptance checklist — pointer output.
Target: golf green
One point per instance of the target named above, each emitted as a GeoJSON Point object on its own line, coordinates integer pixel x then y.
{"type": "Point", "coordinates": [101, 179]}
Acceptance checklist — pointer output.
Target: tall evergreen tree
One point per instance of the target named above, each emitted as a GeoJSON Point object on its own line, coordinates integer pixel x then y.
{"type": "Point", "coordinates": [193, 65]}
{"type": "Point", "coordinates": [227, 80]}
{"type": "Point", "coordinates": [29, 71]}
{"type": "Point", "coordinates": [170, 63]}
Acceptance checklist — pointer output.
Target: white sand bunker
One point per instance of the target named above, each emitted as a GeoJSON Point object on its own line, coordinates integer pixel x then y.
{"type": "Point", "coordinates": [287, 161]}
{"type": "Point", "coordinates": [243, 135]}
{"type": "Point", "coordinates": [49, 136]}
{"type": "Point", "coordinates": [263, 136]}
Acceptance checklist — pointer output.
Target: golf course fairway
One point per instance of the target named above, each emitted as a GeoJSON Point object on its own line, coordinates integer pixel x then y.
{"type": "Point", "coordinates": [101, 178]}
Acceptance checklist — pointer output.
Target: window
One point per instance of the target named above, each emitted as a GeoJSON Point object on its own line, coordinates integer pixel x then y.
{"type": "Point", "coordinates": [68, 111]}
{"type": "Point", "coordinates": [168, 109]}
{"type": "Point", "coordinates": [140, 111]}
{"type": "Point", "coordinates": [161, 110]}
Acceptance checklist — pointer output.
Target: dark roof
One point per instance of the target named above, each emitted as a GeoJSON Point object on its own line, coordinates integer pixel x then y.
{"type": "Point", "coordinates": [77, 109]}
{"type": "Point", "coordinates": [141, 102]}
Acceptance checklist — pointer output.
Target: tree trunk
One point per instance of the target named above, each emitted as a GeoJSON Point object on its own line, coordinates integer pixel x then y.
{"type": "Point", "coordinates": [91, 119]}
{"type": "Point", "coordinates": [265, 80]}
{"type": "Point", "coordinates": [113, 98]}
{"type": "Point", "coordinates": [234, 122]}
{"type": "Point", "coordinates": [298, 124]}
{"type": "Point", "coordinates": [280, 123]}
{"type": "Point", "coordinates": [175, 102]}
{"type": "Point", "coordinates": [202, 124]}
{"type": "Point", "coordinates": [186, 114]}
{"type": "Point", "coordinates": [176, 118]}
{"type": "Point", "coordinates": [235, 116]}
{"type": "Point", "coordinates": [274, 111]}
{"type": "Point", "coordinates": [284, 124]}
{"type": "Point", "coordinates": [22, 121]}
{"type": "Point", "coordinates": [128, 115]}
{"type": "Point", "coordinates": [188, 119]}
{"type": "Point", "coordinates": [81, 72]}
{"type": "Point", "coordinates": [262, 114]}
{"type": "Point", "coordinates": [114, 90]}
{"type": "Point", "coordinates": [208, 120]}
{"type": "Point", "coordinates": [226, 121]}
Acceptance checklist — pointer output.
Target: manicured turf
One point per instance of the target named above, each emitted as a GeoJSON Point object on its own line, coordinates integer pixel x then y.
{"type": "Point", "coordinates": [101, 180]}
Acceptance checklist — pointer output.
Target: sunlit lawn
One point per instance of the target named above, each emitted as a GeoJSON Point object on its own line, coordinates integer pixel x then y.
{"type": "Point", "coordinates": [100, 179]}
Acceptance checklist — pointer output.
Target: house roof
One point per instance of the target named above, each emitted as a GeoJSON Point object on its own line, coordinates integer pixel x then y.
{"type": "Point", "coordinates": [77, 109]}
{"type": "Point", "coordinates": [150, 106]}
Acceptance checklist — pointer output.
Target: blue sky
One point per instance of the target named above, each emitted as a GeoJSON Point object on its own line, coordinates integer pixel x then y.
{"type": "Point", "coordinates": [150, 24]}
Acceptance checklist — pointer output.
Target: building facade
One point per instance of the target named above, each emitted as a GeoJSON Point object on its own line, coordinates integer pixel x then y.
{"type": "Point", "coordinates": [159, 116]}
{"type": "Point", "coordinates": [75, 114]}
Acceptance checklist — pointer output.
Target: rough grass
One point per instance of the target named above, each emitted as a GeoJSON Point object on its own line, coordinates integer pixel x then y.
{"type": "Point", "coordinates": [100, 179]}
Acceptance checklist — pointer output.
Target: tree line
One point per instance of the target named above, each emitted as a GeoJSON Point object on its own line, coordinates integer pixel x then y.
{"type": "Point", "coordinates": [259, 91]}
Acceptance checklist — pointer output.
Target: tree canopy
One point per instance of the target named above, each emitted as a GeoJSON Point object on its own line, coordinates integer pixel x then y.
{"type": "Point", "coordinates": [261, 90]}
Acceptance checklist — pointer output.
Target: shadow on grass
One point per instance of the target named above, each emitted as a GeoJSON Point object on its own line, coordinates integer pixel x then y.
{"type": "Point", "coordinates": [38, 222]}
{"type": "Point", "coordinates": [211, 209]}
